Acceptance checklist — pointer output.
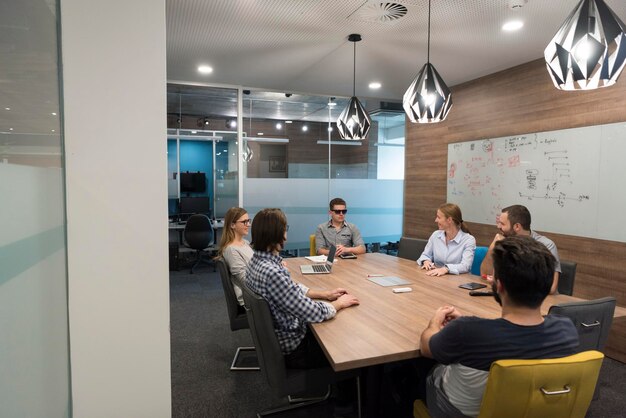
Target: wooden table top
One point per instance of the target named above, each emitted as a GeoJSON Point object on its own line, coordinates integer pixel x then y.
{"type": "Point", "coordinates": [386, 326]}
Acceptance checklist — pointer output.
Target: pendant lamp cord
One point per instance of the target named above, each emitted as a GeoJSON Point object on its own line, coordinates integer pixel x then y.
{"type": "Point", "coordinates": [428, 54]}
{"type": "Point", "coordinates": [354, 71]}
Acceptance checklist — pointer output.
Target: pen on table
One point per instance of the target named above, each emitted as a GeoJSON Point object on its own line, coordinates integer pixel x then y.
{"type": "Point", "coordinates": [375, 275]}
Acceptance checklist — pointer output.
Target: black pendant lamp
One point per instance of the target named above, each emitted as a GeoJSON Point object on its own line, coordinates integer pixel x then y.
{"type": "Point", "coordinates": [354, 122]}
{"type": "Point", "coordinates": [428, 99]}
{"type": "Point", "coordinates": [589, 50]}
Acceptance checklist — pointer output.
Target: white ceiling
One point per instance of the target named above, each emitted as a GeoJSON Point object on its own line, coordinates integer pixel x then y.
{"type": "Point", "coordinates": [302, 46]}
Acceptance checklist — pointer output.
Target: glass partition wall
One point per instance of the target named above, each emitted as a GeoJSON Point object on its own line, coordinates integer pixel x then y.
{"type": "Point", "coordinates": [290, 156]}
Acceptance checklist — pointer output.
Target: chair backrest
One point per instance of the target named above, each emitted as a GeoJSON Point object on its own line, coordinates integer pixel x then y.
{"type": "Point", "coordinates": [312, 250]}
{"type": "Point", "coordinates": [561, 387]}
{"type": "Point", "coordinates": [236, 314]}
{"type": "Point", "coordinates": [198, 232]}
{"type": "Point", "coordinates": [592, 318]}
{"type": "Point", "coordinates": [479, 256]}
{"type": "Point", "coordinates": [268, 350]}
{"type": "Point", "coordinates": [566, 278]}
{"type": "Point", "coordinates": [411, 248]}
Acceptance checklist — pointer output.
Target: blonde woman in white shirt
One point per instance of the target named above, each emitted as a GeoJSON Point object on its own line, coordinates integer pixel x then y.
{"type": "Point", "coordinates": [234, 249]}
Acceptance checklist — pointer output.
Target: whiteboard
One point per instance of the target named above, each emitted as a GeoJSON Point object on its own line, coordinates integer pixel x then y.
{"type": "Point", "coordinates": [571, 180]}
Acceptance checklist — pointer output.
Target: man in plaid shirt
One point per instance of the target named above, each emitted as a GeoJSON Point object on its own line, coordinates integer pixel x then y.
{"type": "Point", "coordinates": [291, 304]}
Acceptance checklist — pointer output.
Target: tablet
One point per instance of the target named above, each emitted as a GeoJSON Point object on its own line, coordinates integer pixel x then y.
{"type": "Point", "coordinates": [472, 286]}
{"type": "Point", "coordinates": [346, 255]}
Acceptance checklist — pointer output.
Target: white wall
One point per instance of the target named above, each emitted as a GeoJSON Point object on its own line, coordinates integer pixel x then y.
{"type": "Point", "coordinates": [115, 146]}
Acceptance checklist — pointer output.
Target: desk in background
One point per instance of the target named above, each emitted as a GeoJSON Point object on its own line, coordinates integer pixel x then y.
{"type": "Point", "coordinates": [176, 240]}
{"type": "Point", "coordinates": [386, 326]}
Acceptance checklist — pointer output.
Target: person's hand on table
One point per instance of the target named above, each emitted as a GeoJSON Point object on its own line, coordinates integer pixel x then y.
{"type": "Point", "coordinates": [340, 249]}
{"type": "Point", "coordinates": [441, 271]}
{"type": "Point", "coordinates": [428, 265]}
{"type": "Point", "coordinates": [487, 277]}
{"type": "Point", "coordinates": [443, 316]}
{"type": "Point", "coordinates": [335, 293]}
{"type": "Point", "coordinates": [345, 301]}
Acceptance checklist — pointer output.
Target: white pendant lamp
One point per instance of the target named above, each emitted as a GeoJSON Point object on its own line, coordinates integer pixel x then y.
{"type": "Point", "coordinates": [589, 50]}
{"type": "Point", "coordinates": [354, 122]}
{"type": "Point", "coordinates": [428, 99]}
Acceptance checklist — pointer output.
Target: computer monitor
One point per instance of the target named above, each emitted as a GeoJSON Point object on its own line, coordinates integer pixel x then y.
{"type": "Point", "coordinates": [192, 205]}
{"type": "Point", "coordinates": [193, 182]}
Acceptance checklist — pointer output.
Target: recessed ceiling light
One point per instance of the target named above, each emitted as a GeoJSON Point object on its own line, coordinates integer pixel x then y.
{"type": "Point", "coordinates": [288, 121]}
{"type": "Point", "coordinates": [512, 25]}
{"type": "Point", "coordinates": [375, 85]}
{"type": "Point", "coordinates": [54, 113]}
{"type": "Point", "coordinates": [205, 69]}
{"type": "Point", "coordinates": [10, 129]}
{"type": "Point", "coordinates": [279, 125]}
{"type": "Point", "coordinates": [7, 108]}
{"type": "Point", "coordinates": [305, 128]}
{"type": "Point", "coordinates": [330, 129]}
{"type": "Point", "coordinates": [194, 132]}
{"type": "Point", "coordinates": [260, 133]}
{"type": "Point", "coordinates": [52, 130]}
{"type": "Point", "coordinates": [332, 104]}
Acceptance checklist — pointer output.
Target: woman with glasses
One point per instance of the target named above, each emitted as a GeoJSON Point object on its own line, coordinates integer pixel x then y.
{"type": "Point", "coordinates": [234, 249]}
{"type": "Point", "coordinates": [451, 248]}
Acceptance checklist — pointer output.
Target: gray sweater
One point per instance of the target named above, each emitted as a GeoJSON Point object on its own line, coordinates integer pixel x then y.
{"type": "Point", "coordinates": [237, 259]}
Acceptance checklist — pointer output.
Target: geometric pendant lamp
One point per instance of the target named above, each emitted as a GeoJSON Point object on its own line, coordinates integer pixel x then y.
{"type": "Point", "coordinates": [428, 99]}
{"type": "Point", "coordinates": [589, 50]}
{"type": "Point", "coordinates": [354, 122]}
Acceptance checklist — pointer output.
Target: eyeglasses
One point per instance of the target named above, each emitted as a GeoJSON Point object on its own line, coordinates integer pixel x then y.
{"type": "Point", "coordinates": [340, 211]}
{"type": "Point", "coordinates": [246, 222]}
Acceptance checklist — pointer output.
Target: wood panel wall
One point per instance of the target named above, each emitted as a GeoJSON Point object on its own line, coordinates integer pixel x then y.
{"type": "Point", "coordinates": [517, 101]}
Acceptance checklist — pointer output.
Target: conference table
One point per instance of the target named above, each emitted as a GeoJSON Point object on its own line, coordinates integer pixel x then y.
{"type": "Point", "coordinates": [386, 326]}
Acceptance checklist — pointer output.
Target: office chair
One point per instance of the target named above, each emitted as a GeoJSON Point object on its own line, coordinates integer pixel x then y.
{"type": "Point", "coordinates": [411, 248]}
{"type": "Point", "coordinates": [566, 278]}
{"type": "Point", "coordinates": [198, 235]}
{"type": "Point", "coordinates": [236, 313]}
{"type": "Point", "coordinates": [479, 256]}
{"type": "Point", "coordinates": [550, 388]}
{"type": "Point", "coordinates": [592, 319]}
{"type": "Point", "coordinates": [312, 250]}
{"type": "Point", "coordinates": [285, 381]}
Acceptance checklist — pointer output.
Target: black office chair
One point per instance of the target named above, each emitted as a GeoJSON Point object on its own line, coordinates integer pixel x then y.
{"type": "Point", "coordinates": [566, 278]}
{"type": "Point", "coordinates": [592, 318]}
{"type": "Point", "coordinates": [198, 235]}
{"type": "Point", "coordinates": [236, 313]}
{"type": "Point", "coordinates": [411, 248]}
{"type": "Point", "coordinates": [285, 381]}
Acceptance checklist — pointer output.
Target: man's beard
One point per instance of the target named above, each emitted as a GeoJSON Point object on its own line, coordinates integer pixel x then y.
{"type": "Point", "coordinates": [496, 296]}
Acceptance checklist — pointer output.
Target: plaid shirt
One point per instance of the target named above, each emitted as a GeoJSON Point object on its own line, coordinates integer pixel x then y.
{"type": "Point", "coordinates": [291, 309]}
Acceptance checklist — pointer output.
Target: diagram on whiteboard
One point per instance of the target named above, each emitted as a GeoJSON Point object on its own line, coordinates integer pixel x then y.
{"type": "Point", "coordinates": [556, 174]}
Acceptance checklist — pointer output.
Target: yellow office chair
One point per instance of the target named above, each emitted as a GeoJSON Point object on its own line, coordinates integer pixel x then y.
{"type": "Point", "coordinates": [554, 388]}
{"type": "Point", "coordinates": [312, 250]}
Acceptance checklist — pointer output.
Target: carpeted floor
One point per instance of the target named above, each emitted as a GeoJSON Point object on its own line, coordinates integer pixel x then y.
{"type": "Point", "coordinates": [202, 348]}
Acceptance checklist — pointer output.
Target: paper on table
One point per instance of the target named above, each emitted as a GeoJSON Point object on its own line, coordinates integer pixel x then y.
{"type": "Point", "coordinates": [316, 258]}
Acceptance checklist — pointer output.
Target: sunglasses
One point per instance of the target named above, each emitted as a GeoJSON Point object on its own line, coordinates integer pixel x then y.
{"type": "Point", "coordinates": [340, 211]}
{"type": "Point", "coordinates": [246, 222]}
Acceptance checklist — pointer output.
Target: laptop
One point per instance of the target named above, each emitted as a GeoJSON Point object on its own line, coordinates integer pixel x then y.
{"type": "Point", "coordinates": [320, 268]}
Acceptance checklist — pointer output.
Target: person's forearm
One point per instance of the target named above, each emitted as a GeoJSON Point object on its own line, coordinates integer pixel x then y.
{"type": "Point", "coordinates": [359, 249]}
{"type": "Point", "coordinates": [322, 251]}
{"type": "Point", "coordinates": [425, 341]}
{"type": "Point", "coordinates": [316, 294]}
{"type": "Point", "coordinates": [486, 267]}
{"type": "Point", "coordinates": [555, 283]}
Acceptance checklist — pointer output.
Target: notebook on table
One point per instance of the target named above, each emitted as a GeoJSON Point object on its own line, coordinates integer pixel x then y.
{"type": "Point", "coordinates": [320, 268]}
{"type": "Point", "coordinates": [388, 281]}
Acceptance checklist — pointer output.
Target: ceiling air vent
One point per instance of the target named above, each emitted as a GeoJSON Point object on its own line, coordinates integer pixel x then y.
{"type": "Point", "coordinates": [380, 12]}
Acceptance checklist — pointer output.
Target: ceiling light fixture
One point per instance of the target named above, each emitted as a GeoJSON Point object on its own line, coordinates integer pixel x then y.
{"type": "Point", "coordinates": [512, 25]}
{"type": "Point", "coordinates": [589, 49]}
{"type": "Point", "coordinates": [288, 121]}
{"type": "Point", "coordinates": [205, 69]}
{"type": "Point", "coordinates": [428, 99]}
{"type": "Point", "coordinates": [279, 125]}
{"type": "Point", "coordinates": [354, 122]}
{"type": "Point", "coordinates": [305, 128]}
{"type": "Point", "coordinates": [321, 142]}
{"type": "Point", "coordinates": [231, 123]}
{"type": "Point", "coordinates": [375, 85]}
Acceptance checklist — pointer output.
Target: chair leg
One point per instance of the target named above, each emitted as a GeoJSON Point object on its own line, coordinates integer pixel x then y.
{"type": "Point", "coordinates": [291, 406]}
{"type": "Point", "coordinates": [234, 367]}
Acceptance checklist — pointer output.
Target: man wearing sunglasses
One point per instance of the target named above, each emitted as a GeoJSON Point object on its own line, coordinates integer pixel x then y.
{"type": "Point", "coordinates": [343, 235]}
